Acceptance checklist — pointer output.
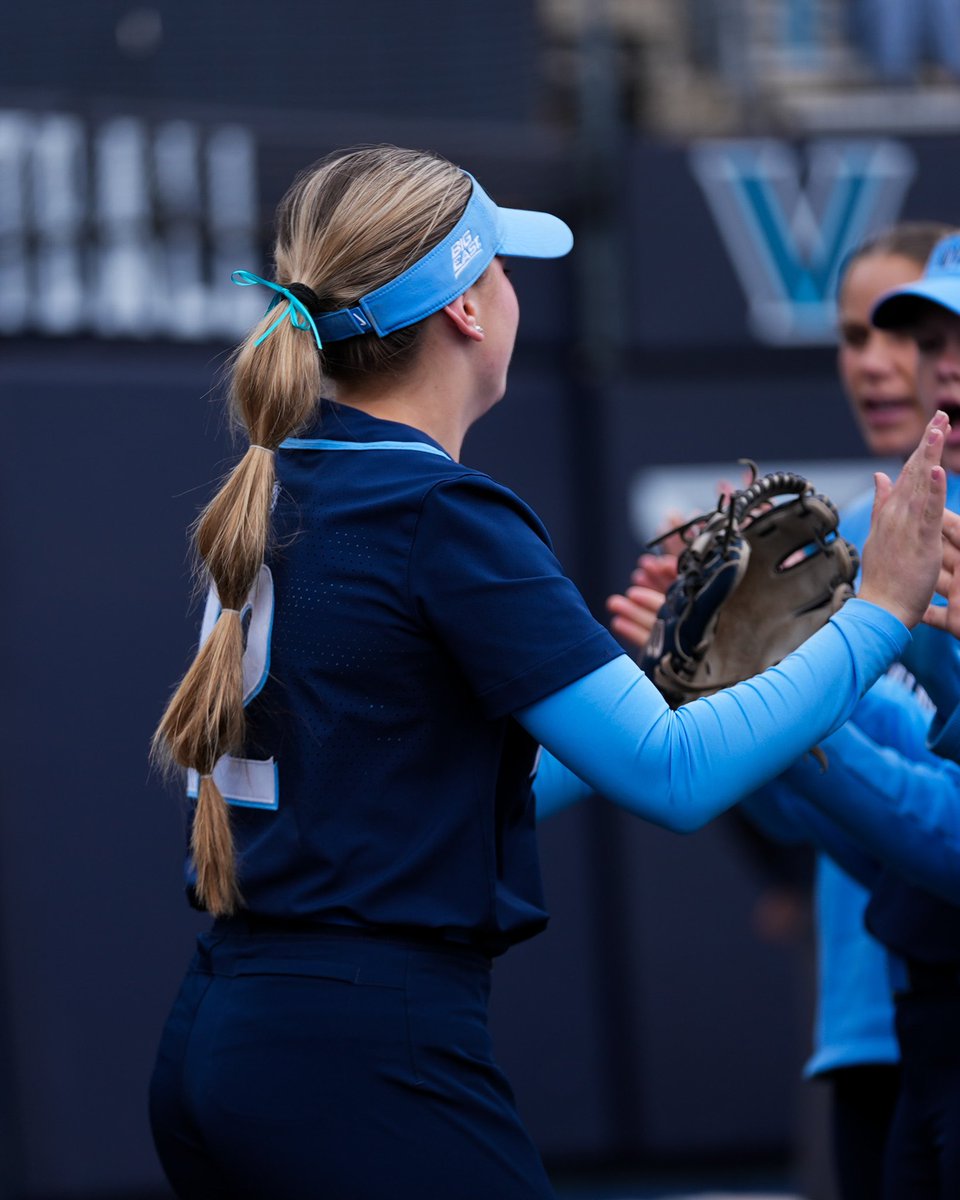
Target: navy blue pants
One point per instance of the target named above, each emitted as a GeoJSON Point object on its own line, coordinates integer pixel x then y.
{"type": "Point", "coordinates": [298, 1066]}
{"type": "Point", "coordinates": [864, 1101]}
{"type": "Point", "coordinates": [923, 1149]}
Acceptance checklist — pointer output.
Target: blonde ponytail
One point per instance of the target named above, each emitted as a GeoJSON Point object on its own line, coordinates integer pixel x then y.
{"type": "Point", "coordinates": [211, 847]}
{"type": "Point", "coordinates": [351, 223]}
{"type": "Point", "coordinates": [273, 393]}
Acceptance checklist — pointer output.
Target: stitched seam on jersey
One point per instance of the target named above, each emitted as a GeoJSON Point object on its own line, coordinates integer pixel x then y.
{"type": "Point", "coordinates": [506, 683]}
{"type": "Point", "coordinates": [545, 662]}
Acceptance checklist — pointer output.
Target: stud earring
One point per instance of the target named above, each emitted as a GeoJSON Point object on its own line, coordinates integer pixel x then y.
{"type": "Point", "coordinates": [479, 328]}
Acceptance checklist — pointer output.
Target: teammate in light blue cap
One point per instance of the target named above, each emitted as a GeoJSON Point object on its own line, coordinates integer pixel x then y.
{"type": "Point", "coordinates": [939, 287]}
{"type": "Point", "coordinates": [388, 640]}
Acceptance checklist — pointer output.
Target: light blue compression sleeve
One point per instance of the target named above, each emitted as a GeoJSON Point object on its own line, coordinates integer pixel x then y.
{"type": "Point", "coordinates": [556, 787]}
{"type": "Point", "coordinates": [899, 801]}
{"type": "Point", "coordinates": [933, 658]}
{"type": "Point", "coordinates": [681, 768]}
{"type": "Point", "coordinates": [781, 812]}
{"type": "Point", "coordinates": [944, 736]}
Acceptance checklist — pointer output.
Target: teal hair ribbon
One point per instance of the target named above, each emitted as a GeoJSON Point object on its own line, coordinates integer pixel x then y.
{"type": "Point", "coordinates": [296, 310]}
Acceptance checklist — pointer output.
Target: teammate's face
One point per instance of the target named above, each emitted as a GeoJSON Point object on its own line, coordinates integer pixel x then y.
{"type": "Point", "coordinates": [938, 373]}
{"type": "Point", "coordinates": [878, 366]}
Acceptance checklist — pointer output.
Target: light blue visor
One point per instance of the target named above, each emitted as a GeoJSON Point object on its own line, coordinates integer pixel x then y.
{"type": "Point", "coordinates": [939, 284]}
{"type": "Point", "coordinates": [452, 266]}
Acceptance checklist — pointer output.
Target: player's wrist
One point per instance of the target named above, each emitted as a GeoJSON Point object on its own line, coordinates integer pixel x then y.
{"type": "Point", "coordinates": [881, 599]}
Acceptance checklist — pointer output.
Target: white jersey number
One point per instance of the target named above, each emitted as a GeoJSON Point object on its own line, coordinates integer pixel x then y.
{"type": "Point", "coordinates": [247, 782]}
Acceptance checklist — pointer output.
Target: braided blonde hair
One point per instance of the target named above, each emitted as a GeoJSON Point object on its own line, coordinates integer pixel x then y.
{"type": "Point", "coordinates": [349, 224]}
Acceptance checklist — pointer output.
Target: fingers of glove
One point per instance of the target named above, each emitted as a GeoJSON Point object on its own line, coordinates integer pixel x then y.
{"type": "Point", "coordinates": [656, 571]}
{"type": "Point", "coordinates": [633, 615]}
{"type": "Point", "coordinates": [902, 557]}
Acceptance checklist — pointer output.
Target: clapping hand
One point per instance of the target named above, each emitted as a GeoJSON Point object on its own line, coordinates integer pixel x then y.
{"type": "Point", "coordinates": [904, 552]}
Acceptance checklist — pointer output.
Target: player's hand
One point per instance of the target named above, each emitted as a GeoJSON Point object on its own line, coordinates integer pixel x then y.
{"type": "Point", "coordinates": [655, 571]}
{"type": "Point", "coordinates": [671, 543]}
{"type": "Point", "coordinates": [948, 585]}
{"type": "Point", "coordinates": [633, 614]}
{"type": "Point", "coordinates": [903, 554]}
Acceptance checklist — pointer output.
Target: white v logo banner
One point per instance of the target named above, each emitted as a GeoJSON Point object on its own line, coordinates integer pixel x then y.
{"type": "Point", "coordinates": [787, 240]}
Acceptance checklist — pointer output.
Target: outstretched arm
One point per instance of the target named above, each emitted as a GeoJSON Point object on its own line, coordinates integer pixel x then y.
{"type": "Point", "coordinates": [884, 789]}
{"type": "Point", "coordinates": [556, 787]}
{"type": "Point", "coordinates": [903, 811]}
{"type": "Point", "coordinates": [783, 813]}
{"type": "Point", "coordinates": [933, 657]}
{"type": "Point", "coordinates": [681, 768]}
{"type": "Point", "coordinates": [612, 729]}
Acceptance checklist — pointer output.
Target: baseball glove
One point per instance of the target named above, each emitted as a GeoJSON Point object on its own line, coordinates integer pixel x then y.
{"type": "Point", "coordinates": [757, 577]}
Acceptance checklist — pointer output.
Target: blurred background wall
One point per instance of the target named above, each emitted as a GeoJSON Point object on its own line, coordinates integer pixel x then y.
{"type": "Point", "coordinates": [717, 159]}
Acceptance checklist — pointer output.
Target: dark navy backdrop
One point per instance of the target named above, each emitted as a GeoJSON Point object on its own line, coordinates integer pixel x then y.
{"type": "Point", "coordinates": [648, 1022]}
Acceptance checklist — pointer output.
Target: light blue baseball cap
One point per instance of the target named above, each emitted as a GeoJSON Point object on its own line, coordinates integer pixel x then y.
{"type": "Point", "coordinates": [452, 266]}
{"type": "Point", "coordinates": [939, 285]}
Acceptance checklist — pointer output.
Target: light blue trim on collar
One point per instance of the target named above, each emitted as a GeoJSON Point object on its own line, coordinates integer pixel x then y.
{"type": "Point", "coordinates": [293, 443]}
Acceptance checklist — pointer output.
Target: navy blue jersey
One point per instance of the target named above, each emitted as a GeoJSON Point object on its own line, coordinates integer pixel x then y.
{"type": "Point", "coordinates": [409, 606]}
